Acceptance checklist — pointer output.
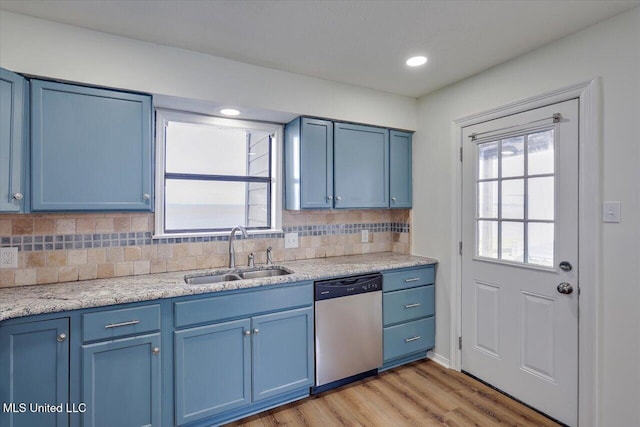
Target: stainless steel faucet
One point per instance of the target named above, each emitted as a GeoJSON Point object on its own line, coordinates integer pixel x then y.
{"type": "Point", "coordinates": [232, 252]}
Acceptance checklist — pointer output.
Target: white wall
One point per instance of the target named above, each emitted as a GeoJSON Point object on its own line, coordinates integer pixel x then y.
{"type": "Point", "coordinates": [45, 48]}
{"type": "Point", "coordinates": [610, 50]}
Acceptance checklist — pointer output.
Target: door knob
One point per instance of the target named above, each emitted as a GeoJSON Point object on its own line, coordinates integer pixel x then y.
{"type": "Point", "coordinates": [565, 288]}
{"type": "Point", "coordinates": [565, 266]}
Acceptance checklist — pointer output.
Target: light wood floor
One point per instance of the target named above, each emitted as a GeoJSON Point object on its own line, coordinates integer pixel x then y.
{"type": "Point", "coordinates": [419, 394]}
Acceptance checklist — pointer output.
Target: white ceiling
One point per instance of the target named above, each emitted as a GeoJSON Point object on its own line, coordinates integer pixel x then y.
{"type": "Point", "coordinates": [360, 42]}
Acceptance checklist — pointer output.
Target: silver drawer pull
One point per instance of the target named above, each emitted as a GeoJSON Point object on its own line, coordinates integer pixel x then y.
{"type": "Point", "coordinates": [117, 325]}
{"type": "Point", "coordinates": [412, 305]}
{"type": "Point", "coordinates": [413, 279]}
{"type": "Point", "coordinates": [412, 339]}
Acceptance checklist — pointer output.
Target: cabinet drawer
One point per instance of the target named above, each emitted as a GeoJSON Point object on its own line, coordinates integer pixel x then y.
{"type": "Point", "coordinates": [409, 338]}
{"type": "Point", "coordinates": [408, 279]}
{"type": "Point", "coordinates": [116, 323]}
{"type": "Point", "coordinates": [408, 304]}
{"type": "Point", "coordinates": [214, 309]}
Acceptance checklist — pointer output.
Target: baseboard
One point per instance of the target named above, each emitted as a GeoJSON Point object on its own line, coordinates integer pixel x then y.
{"type": "Point", "coordinates": [439, 359]}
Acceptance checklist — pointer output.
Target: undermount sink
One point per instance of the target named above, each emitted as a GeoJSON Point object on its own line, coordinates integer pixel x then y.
{"type": "Point", "coordinates": [203, 279]}
{"type": "Point", "coordinates": [279, 271]}
{"type": "Point", "coordinates": [254, 273]}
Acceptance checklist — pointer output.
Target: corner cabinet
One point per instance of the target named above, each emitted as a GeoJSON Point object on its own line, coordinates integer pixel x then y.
{"type": "Point", "coordinates": [400, 180]}
{"type": "Point", "coordinates": [361, 166]}
{"type": "Point", "coordinates": [91, 149]}
{"type": "Point", "coordinates": [34, 367]}
{"type": "Point", "coordinates": [13, 142]}
{"type": "Point", "coordinates": [408, 309]}
{"type": "Point", "coordinates": [309, 164]}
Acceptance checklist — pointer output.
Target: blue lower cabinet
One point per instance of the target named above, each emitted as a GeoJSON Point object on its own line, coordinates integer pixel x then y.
{"type": "Point", "coordinates": [229, 370]}
{"type": "Point", "coordinates": [34, 373]}
{"type": "Point", "coordinates": [282, 351]}
{"type": "Point", "coordinates": [408, 338]}
{"type": "Point", "coordinates": [212, 370]}
{"type": "Point", "coordinates": [121, 382]}
{"type": "Point", "coordinates": [408, 314]}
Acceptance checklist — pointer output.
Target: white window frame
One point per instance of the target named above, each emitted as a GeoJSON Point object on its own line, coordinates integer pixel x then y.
{"type": "Point", "coordinates": [164, 116]}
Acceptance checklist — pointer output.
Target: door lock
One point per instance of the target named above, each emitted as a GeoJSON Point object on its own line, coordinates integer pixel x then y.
{"type": "Point", "coordinates": [565, 266]}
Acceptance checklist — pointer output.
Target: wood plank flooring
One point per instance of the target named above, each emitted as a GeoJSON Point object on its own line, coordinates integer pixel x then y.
{"type": "Point", "coordinates": [418, 394]}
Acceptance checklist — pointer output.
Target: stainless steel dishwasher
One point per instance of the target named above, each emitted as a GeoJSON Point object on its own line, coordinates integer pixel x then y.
{"type": "Point", "coordinates": [348, 320]}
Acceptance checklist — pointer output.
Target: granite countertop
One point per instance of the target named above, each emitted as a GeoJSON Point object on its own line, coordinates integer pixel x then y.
{"type": "Point", "coordinates": [40, 299]}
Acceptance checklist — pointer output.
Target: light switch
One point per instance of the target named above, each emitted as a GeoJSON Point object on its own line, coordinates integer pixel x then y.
{"type": "Point", "coordinates": [611, 212]}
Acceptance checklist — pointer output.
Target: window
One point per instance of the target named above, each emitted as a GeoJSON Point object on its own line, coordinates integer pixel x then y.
{"type": "Point", "coordinates": [515, 186]}
{"type": "Point", "coordinates": [214, 174]}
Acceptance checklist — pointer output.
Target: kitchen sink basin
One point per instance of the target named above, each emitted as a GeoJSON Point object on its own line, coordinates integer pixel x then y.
{"type": "Point", "coordinates": [255, 273]}
{"type": "Point", "coordinates": [203, 279]}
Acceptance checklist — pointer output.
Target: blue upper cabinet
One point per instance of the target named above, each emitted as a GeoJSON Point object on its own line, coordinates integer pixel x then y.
{"type": "Point", "coordinates": [13, 142]}
{"type": "Point", "coordinates": [91, 149]}
{"type": "Point", "coordinates": [399, 169]}
{"type": "Point", "coordinates": [309, 164]}
{"type": "Point", "coordinates": [361, 166]}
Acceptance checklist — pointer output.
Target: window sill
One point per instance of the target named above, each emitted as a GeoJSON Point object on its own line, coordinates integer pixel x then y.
{"type": "Point", "coordinates": [251, 233]}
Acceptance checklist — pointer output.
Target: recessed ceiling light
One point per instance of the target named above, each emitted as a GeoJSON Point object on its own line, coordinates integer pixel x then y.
{"type": "Point", "coordinates": [229, 112]}
{"type": "Point", "coordinates": [416, 61]}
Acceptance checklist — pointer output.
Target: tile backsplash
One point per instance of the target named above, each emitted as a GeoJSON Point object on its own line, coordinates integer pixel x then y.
{"type": "Point", "coordinates": [68, 247]}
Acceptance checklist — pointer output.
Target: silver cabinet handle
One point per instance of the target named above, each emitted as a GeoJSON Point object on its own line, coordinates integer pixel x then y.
{"type": "Point", "coordinates": [146, 196]}
{"type": "Point", "coordinates": [329, 197]}
{"type": "Point", "coordinates": [413, 279]}
{"type": "Point", "coordinates": [155, 350]}
{"type": "Point", "coordinates": [338, 198]}
{"type": "Point", "coordinates": [417, 304]}
{"type": "Point", "coordinates": [393, 199]}
{"type": "Point", "coordinates": [412, 339]}
{"type": "Point", "coordinates": [61, 337]}
{"type": "Point", "coordinates": [247, 332]}
{"type": "Point", "coordinates": [18, 196]}
{"type": "Point", "coordinates": [256, 331]}
{"type": "Point", "coordinates": [117, 325]}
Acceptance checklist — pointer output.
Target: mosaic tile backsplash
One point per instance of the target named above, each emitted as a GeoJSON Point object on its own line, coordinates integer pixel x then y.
{"type": "Point", "coordinates": [68, 247]}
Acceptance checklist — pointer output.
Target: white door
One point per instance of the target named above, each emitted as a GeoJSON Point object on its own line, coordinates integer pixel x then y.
{"type": "Point", "coordinates": [520, 257]}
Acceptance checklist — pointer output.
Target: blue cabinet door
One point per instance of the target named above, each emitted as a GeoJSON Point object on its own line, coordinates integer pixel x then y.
{"type": "Point", "coordinates": [361, 166]}
{"type": "Point", "coordinates": [282, 352]}
{"type": "Point", "coordinates": [121, 382]}
{"type": "Point", "coordinates": [13, 142]}
{"type": "Point", "coordinates": [309, 164]}
{"type": "Point", "coordinates": [34, 370]}
{"type": "Point", "coordinates": [91, 149]}
{"type": "Point", "coordinates": [212, 370]}
{"type": "Point", "coordinates": [400, 190]}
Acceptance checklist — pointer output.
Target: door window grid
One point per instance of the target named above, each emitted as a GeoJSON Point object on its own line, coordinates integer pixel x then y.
{"type": "Point", "coordinates": [515, 182]}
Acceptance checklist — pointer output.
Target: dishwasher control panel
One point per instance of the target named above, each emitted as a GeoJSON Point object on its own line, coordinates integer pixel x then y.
{"type": "Point", "coordinates": [345, 286]}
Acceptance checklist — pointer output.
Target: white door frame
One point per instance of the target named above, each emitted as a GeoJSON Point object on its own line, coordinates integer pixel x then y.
{"type": "Point", "coordinates": [589, 232]}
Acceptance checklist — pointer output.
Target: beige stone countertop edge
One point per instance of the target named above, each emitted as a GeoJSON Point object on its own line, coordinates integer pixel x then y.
{"type": "Point", "coordinates": [57, 297]}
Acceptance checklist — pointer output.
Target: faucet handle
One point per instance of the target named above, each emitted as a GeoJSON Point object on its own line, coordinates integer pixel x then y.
{"type": "Point", "coordinates": [269, 256]}
{"type": "Point", "coordinates": [251, 260]}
